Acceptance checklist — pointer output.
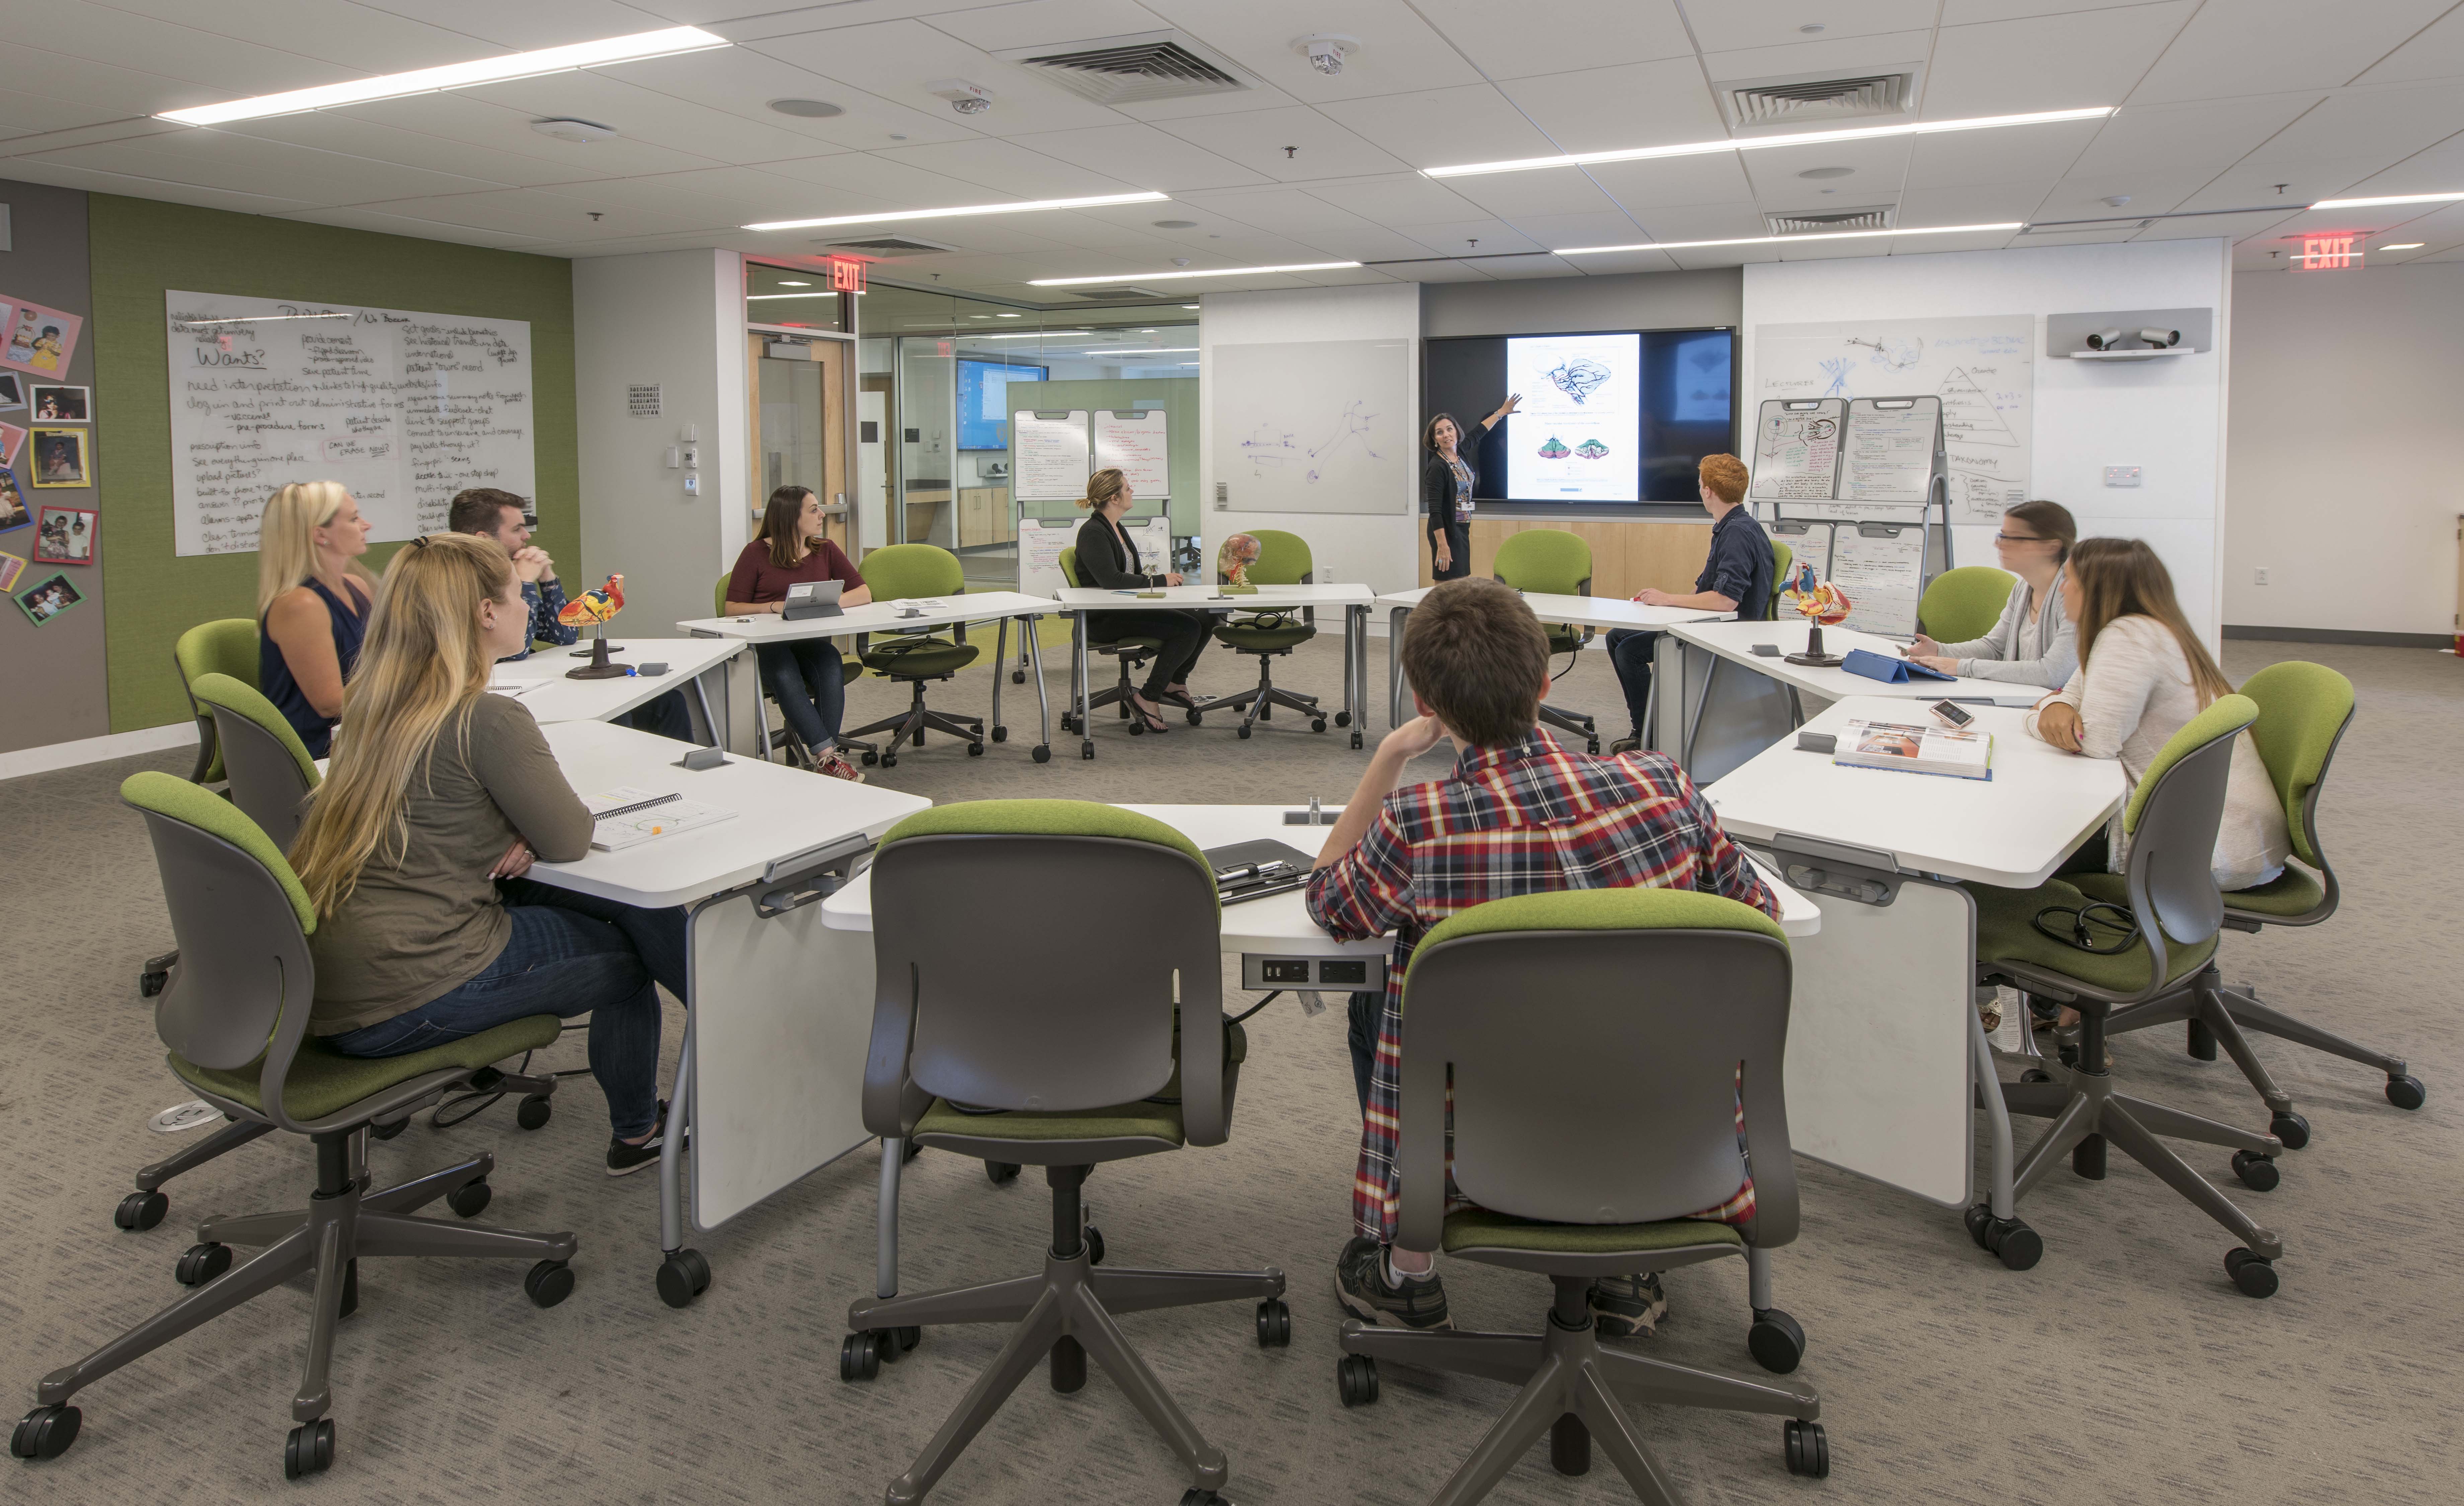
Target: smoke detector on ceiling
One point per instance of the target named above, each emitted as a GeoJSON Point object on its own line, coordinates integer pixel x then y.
{"type": "Point", "coordinates": [1326, 51]}
{"type": "Point", "coordinates": [1795, 99]}
{"type": "Point", "coordinates": [1135, 68]}
{"type": "Point", "coordinates": [965, 98]}
{"type": "Point", "coordinates": [582, 132]}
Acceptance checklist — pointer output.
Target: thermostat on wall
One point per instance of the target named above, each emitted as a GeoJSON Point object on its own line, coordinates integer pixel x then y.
{"type": "Point", "coordinates": [2121, 475]}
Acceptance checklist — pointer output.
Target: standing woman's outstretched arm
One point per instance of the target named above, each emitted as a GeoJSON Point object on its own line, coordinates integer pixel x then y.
{"type": "Point", "coordinates": [1502, 409]}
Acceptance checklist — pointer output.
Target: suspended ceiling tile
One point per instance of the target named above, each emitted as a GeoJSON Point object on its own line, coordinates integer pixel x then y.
{"type": "Point", "coordinates": [362, 39]}
{"type": "Point", "coordinates": [2015, 153]}
{"type": "Point", "coordinates": [1516, 195]}
{"type": "Point", "coordinates": [334, 131]}
{"type": "Point", "coordinates": [560, 215]}
{"type": "Point", "coordinates": [1241, 102]}
{"type": "Point", "coordinates": [648, 114]}
{"type": "Point", "coordinates": [64, 175]}
{"type": "Point", "coordinates": [105, 89]}
{"type": "Point", "coordinates": [1848, 54]}
{"type": "Point", "coordinates": [1141, 157]}
{"type": "Point", "coordinates": [407, 225]}
{"type": "Point", "coordinates": [860, 183]}
{"type": "Point", "coordinates": [1702, 222]}
{"type": "Point", "coordinates": [538, 23]}
{"type": "Point", "coordinates": [728, 19]}
{"type": "Point", "coordinates": [1713, 178]}
{"type": "Point", "coordinates": [1042, 23]}
{"type": "Point", "coordinates": [2210, 226]}
{"type": "Point", "coordinates": [2437, 51]}
{"type": "Point", "coordinates": [2438, 170]}
{"type": "Point", "coordinates": [1877, 168]}
{"type": "Point", "coordinates": [1610, 109]}
{"type": "Point", "coordinates": [1257, 141]}
{"type": "Point", "coordinates": [1007, 170]}
{"type": "Point", "coordinates": [2150, 192]}
{"type": "Point", "coordinates": [1614, 228]}
{"type": "Point", "coordinates": [2252, 181]}
{"type": "Point", "coordinates": [1973, 203]}
{"type": "Point", "coordinates": [1967, 13]}
{"type": "Point", "coordinates": [2211, 135]}
{"type": "Point", "coordinates": [1525, 268]}
{"type": "Point", "coordinates": [1394, 198]}
{"type": "Point", "coordinates": [2055, 62]}
{"type": "Point", "coordinates": [24, 114]}
{"type": "Point", "coordinates": [741, 82]}
{"type": "Point", "coordinates": [498, 128]}
{"type": "Point", "coordinates": [2393, 121]}
{"type": "Point", "coordinates": [1429, 127]}
{"type": "Point", "coordinates": [1398, 51]}
{"type": "Point", "coordinates": [1735, 27]}
{"type": "Point", "coordinates": [228, 67]}
{"type": "Point", "coordinates": [1505, 44]}
{"type": "Point", "coordinates": [895, 60]}
{"type": "Point", "coordinates": [2236, 46]}
{"type": "Point", "coordinates": [1455, 240]}
{"type": "Point", "coordinates": [1618, 263]}
{"type": "Point", "coordinates": [248, 164]}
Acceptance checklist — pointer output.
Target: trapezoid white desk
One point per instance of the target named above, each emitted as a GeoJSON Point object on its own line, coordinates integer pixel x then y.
{"type": "Point", "coordinates": [1353, 601]}
{"type": "Point", "coordinates": [1607, 613]}
{"type": "Point", "coordinates": [544, 691]}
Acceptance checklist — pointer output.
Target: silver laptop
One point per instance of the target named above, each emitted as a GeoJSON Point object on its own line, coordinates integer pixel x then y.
{"type": "Point", "coordinates": [813, 599]}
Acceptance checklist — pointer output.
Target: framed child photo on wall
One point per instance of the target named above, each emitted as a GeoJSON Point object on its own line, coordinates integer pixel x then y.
{"type": "Point", "coordinates": [63, 457]}
{"type": "Point", "coordinates": [44, 602]}
{"type": "Point", "coordinates": [12, 503]}
{"type": "Point", "coordinates": [64, 536]}
{"type": "Point", "coordinates": [13, 391]}
{"type": "Point", "coordinates": [62, 404]}
{"type": "Point", "coordinates": [11, 567]}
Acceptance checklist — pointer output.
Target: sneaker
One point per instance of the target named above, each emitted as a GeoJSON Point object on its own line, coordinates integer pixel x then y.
{"type": "Point", "coordinates": [624, 1160]}
{"type": "Point", "coordinates": [835, 765]}
{"type": "Point", "coordinates": [1362, 1287]}
{"type": "Point", "coordinates": [1628, 1307]}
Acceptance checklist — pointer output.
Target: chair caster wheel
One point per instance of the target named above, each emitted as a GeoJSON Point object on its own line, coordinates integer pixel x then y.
{"type": "Point", "coordinates": [1000, 1171]}
{"type": "Point", "coordinates": [1777, 1341]}
{"type": "Point", "coordinates": [1591, 746]}
{"type": "Point", "coordinates": [2254, 1275]}
{"type": "Point", "coordinates": [389, 1131]}
{"type": "Point", "coordinates": [2256, 1172]}
{"type": "Point", "coordinates": [860, 1357]}
{"type": "Point", "coordinates": [1317, 723]}
{"type": "Point", "coordinates": [1243, 730]}
{"type": "Point", "coordinates": [200, 1264]}
{"type": "Point", "coordinates": [2291, 1128]}
{"type": "Point", "coordinates": [1095, 1246]}
{"type": "Point", "coordinates": [975, 750]}
{"type": "Point", "coordinates": [141, 1210]}
{"type": "Point", "coordinates": [870, 759]}
{"type": "Point", "coordinates": [1137, 729]}
{"type": "Point", "coordinates": [534, 1110]}
{"type": "Point", "coordinates": [309, 1449]}
{"type": "Point", "coordinates": [1197, 1496]}
{"type": "Point", "coordinates": [1343, 718]}
{"type": "Point", "coordinates": [2405, 1091]}
{"type": "Point", "coordinates": [148, 984]}
{"type": "Point", "coordinates": [46, 1432]}
{"type": "Point", "coordinates": [1196, 719]}
{"type": "Point", "coordinates": [548, 1283]}
{"type": "Point", "coordinates": [1018, 677]}
{"type": "Point", "coordinates": [894, 1343]}
{"type": "Point", "coordinates": [470, 1199]}
{"type": "Point", "coordinates": [1087, 750]}
{"type": "Point", "coordinates": [1355, 1379]}
{"type": "Point", "coordinates": [1355, 740]}
{"type": "Point", "coordinates": [889, 760]}
{"type": "Point", "coordinates": [1043, 753]}
{"type": "Point", "coordinates": [1274, 1325]}
{"type": "Point", "coordinates": [1809, 1453]}
{"type": "Point", "coordinates": [2009, 1240]}
{"type": "Point", "coordinates": [683, 1276]}
{"type": "Point", "coordinates": [1000, 734]}
{"type": "Point", "coordinates": [2036, 1075]}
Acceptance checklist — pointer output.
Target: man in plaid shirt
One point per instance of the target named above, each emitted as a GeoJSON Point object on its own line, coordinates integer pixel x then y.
{"type": "Point", "coordinates": [1518, 815]}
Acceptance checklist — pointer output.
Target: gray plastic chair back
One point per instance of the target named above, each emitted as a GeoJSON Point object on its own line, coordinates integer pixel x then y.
{"type": "Point", "coordinates": [1020, 1002]}
{"type": "Point", "coordinates": [1595, 1075]}
{"type": "Point", "coordinates": [266, 781]}
{"type": "Point", "coordinates": [2172, 875]}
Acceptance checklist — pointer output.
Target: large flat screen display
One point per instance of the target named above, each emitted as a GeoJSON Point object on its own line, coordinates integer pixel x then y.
{"type": "Point", "coordinates": [1607, 418]}
{"type": "Point", "coordinates": [983, 401]}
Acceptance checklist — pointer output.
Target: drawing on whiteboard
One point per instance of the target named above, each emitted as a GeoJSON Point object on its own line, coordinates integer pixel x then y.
{"type": "Point", "coordinates": [1270, 446]}
{"type": "Point", "coordinates": [1310, 426]}
{"type": "Point", "coordinates": [1967, 414]}
{"type": "Point", "coordinates": [1579, 378]}
{"type": "Point", "coordinates": [1837, 369]}
{"type": "Point", "coordinates": [1892, 355]}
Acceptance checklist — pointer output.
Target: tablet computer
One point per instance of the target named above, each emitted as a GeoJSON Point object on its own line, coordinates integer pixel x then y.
{"type": "Point", "coordinates": [813, 599]}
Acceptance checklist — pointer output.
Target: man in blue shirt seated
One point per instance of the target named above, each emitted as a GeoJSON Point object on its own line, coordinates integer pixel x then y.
{"type": "Point", "coordinates": [1736, 577]}
{"type": "Point", "coordinates": [504, 516]}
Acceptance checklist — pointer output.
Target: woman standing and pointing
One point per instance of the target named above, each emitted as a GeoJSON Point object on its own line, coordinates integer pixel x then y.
{"type": "Point", "coordinates": [1446, 482]}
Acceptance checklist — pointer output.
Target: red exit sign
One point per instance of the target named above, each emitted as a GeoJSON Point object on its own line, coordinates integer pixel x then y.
{"type": "Point", "coordinates": [2327, 254]}
{"type": "Point", "coordinates": [846, 275]}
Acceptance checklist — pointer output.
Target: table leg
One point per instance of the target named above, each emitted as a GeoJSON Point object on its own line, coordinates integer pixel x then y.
{"type": "Point", "coordinates": [1001, 656]}
{"type": "Point", "coordinates": [1997, 1117]}
{"type": "Point", "coordinates": [701, 694]}
{"type": "Point", "coordinates": [1355, 671]}
{"type": "Point", "coordinates": [1085, 731]}
{"type": "Point", "coordinates": [1395, 621]}
{"type": "Point", "coordinates": [1034, 652]}
{"type": "Point", "coordinates": [893, 1156]}
{"type": "Point", "coordinates": [680, 1107]}
{"type": "Point", "coordinates": [1694, 717]}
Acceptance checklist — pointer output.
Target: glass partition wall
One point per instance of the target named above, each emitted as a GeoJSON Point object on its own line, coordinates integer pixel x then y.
{"type": "Point", "coordinates": [798, 359]}
{"type": "Point", "coordinates": [938, 376]}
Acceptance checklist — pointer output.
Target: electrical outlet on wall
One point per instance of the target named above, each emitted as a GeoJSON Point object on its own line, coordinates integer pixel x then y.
{"type": "Point", "coordinates": [2258, 577]}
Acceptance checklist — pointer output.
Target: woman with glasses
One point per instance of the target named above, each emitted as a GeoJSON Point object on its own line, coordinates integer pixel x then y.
{"type": "Point", "coordinates": [2035, 642]}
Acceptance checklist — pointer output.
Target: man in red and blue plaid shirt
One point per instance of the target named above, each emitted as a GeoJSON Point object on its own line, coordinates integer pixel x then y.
{"type": "Point", "coordinates": [1518, 815]}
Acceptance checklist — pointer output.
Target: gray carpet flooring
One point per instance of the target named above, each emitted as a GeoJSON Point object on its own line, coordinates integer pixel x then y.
{"type": "Point", "coordinates": [2123, 1368]}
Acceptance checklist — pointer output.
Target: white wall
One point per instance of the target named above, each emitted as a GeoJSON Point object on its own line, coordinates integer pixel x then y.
{"type": "Point", "coordinates": [2343, 444]}
{"type": "Point", "coordinates": [675, 319]}
{"type": "Point", "coordinates": [2165, 416]}
{"type": "Point", "coordinates": [1375, 548]}
{"type": "Point", "coordinates": [1555, 305]}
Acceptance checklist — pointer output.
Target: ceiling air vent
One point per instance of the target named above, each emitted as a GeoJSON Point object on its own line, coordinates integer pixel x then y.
{"type": "Point", "coordinates": [1135, 69]}
{"type": "Point", "coordinates": [1802, 99]}
{"type": "Point", "coordinates": [888, 246]}
{"type": "Point", "coordinates": [1816, 222]}
{"type": "Point", "coordinates": [1115, 295]}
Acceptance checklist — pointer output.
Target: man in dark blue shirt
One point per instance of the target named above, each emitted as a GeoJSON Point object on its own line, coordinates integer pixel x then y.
{"type": "Point", "coordinates": [1736, 577]}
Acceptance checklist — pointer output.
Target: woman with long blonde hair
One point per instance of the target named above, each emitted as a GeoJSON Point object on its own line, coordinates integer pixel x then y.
{"type": "Point", "coordinates": [312, 603]}
{"type": "Point", "coordinates": [413, 851]}
{"type": "Point", "coordinates": [2142, 675]}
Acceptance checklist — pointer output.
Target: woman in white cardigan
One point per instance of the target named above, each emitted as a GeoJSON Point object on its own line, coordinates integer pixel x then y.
{"type": "Point", "coordinates": [2142, 675]}
{"type": "Point", "coordinates": [2037, 640]}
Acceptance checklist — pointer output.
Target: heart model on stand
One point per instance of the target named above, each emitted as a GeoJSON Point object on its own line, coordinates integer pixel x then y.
{"type": "Point", "coordinates": [591, 609]}
{"type": "Point", "coordinates": [1820, 604]}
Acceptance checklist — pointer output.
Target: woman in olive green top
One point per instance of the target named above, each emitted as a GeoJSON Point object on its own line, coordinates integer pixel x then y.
{"type": "Point", "coordinates": [414, 847]}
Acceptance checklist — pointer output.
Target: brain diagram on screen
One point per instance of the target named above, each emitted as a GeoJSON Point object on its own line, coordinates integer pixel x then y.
{"type": "Point", "coordinates": [1579, 378]}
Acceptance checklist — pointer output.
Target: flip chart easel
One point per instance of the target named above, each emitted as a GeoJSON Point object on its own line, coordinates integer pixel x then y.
{"type": "Point", "coordinates": [1860, 490]}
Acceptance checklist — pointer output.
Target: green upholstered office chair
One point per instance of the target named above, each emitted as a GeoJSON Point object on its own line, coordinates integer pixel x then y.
{"type": "Point", "coordinates": [1600, 1042]}
{"type": "Point", "coordinates": [1553, 563]}
{"type": "Point", "coordinates": [227, 646]}
{"type": "Point", "coordinates": [1963, 603]}
{"type": "Point", "coordinates": [982, 1004]}
{"type": "Point", "coordinates": [2171, 893]}
{"type": "Point", "coordinates": [1283, 560]}
{"type": "Point", "coordinates": [797, 753]}
{"type": "Point", "coordinates": [235, 1018]}
{"type": "Point", "coordinates": [1129, 651]}
{"type": "Point", "coordinates": [900, 572]}
{"type": "Point", "coordinates": [1783, 560]}
{"type": "Point", "coordinates": [2303, 711]}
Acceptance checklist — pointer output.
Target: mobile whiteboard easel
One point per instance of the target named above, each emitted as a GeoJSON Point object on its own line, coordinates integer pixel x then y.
{"type": "Point", "coordinates": [1860, 490]}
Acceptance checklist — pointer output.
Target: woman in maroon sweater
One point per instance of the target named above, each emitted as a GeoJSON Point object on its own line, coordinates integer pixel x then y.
{"type": "Point", "coordinates": [803, 674]}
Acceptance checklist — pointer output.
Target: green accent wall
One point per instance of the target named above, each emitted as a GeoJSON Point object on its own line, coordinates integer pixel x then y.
{"type": "Point", "coordinates": [142, 249]}
{"type": "Point", "coordinates": [1179, 396]}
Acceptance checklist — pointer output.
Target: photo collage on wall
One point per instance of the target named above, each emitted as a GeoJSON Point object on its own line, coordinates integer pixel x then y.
{"type": "Point", "coordinates": [46, 443]}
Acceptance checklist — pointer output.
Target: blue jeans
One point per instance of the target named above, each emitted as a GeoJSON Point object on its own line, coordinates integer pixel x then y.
{"type": "Point", "coordinates": [1630, 651]}
{"type": "Point", "coordinates": [569, 954]}
{"type": "Point", "coordinates": [804, 678]}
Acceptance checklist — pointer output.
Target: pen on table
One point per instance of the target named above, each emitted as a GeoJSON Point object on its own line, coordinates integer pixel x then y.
{"type": "Point", "coordinates": [638, 804]}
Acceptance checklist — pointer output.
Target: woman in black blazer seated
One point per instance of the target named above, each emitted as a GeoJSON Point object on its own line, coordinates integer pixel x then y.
{"type": "Point", "coordinates": [1108, 559]}
{"type": "Point", "coordinates": [1446, 480]}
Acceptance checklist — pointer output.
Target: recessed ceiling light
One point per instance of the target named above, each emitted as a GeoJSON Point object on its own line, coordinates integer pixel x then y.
{"type": "Point", "coordinates": [1175, 224]}
{"type": "Point", "coordinates": [807, 110]}
{"type": "Point", "coordinates": [1774, 240]}
{"type": "Point", "coordinates": [1022, 206]}
{"type": "Point", "coordinates": [1152, 351]}
{"type": "Point", "coordinates": [2406, 245]}
{"type": "Point", "coordinates": [789, 282]}
{"type": "Point", "coordinates": [1820, 173]}
{"type": "Point", "coordinates": [1796, 139]}
{"type": "Point", "coordinates": [2396, 198]}
{"type": "Point", "coordinates": [456, 75]}
{"type": "Point", "coordinates": [1218, 272]}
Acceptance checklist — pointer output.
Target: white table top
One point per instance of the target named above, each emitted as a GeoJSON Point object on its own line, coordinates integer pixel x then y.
{"type": "Point", "coordinates": [1278, 923]}
{"type": "Point", "coordinates": [780, 812]}
{"type": "Point", "coordinates": [1735, 640]}
{"type": "Point", "coordinates": [881, 616]}
{"type": "Point", "coordinates": [1266, 598]}
{"type": "Point", "coordinates": [557, 699]}
{"type": "Point", "coordinates": [2012, 830]}
{"type": "Point", "coordinates": [1585, 611]}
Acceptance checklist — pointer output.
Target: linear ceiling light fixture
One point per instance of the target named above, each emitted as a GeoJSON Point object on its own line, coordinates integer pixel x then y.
{"type": "Point", "coordinates": [1785, 241]}
{"type": "Point", "coordinates": [1218, 272]}
{"type": "Point", "coordinates": [2393, 198]}
{"type": "Point", "coordinates": [458, 76]}
{"type": "Point", "coordinates": [1863, 133]}
{"type": "Point", "coordinates": [1146, 350]}
{"type": "Point", "coordinates": [1023, 207]}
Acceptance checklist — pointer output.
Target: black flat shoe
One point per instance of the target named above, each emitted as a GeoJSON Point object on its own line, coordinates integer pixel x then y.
{"type": "Point", "coordinates": [1154, 723]}
{"type": "Point", "coordinates": [1178, 697]}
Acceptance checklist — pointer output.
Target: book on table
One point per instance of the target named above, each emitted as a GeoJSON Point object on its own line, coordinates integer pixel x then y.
{"type": "Point", "coordinates": [1915, 748]}
{"type": "Point", "coordinates": [627, 817]}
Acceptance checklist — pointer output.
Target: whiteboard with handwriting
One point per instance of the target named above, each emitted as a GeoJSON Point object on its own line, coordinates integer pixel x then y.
{"type": "Point", "coordinates": [404, 408]}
